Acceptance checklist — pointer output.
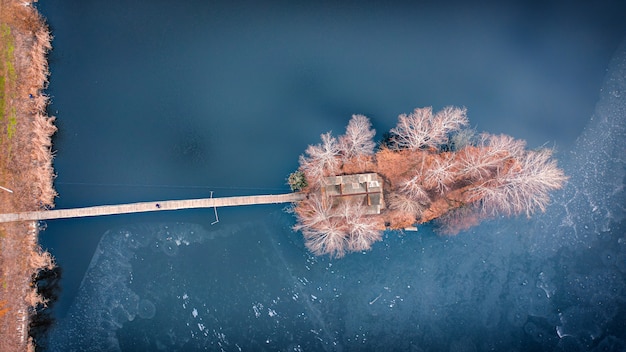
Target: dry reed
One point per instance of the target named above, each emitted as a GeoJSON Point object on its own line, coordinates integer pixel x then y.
{"type": "Point", "coordinates": [25, 166]}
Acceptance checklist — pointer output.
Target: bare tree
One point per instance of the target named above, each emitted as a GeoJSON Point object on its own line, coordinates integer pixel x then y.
{"type": "Point", "coordinates": [414, 189]}
{"type": "Point", "coordinates": [328, 151]}
{"type": "Point", "coordinates": [412, 131]}
{"type": "Point", "coordinates": [335, 231]}
{"type": "Point", "coordinates": [489, 156]}
{"type": "Point", "coordinates": [324, 233]}
{"type": "Point", "coordinates": [524, 187]}
{"type": "Point", "coordinates": [312, 211]}
{"type": "Point", "coordinates": [440, 174]}
{"type": "Point", "coordinates": [405, 204]}
{"type": "Point", "coordinates": [363, 235]}
{"type": "Point", "coordinates": [477, 163]}
{"type": "Point", "coordinates": [361, 229]}
{"type": "Point", "coordinates": [322, 159]}
{"type": "Point", "coordinates": [359, 138]}
{"type": "Point", "coordinates": [422, 129]}
{"type": "Point", "coordinates": [502, 142]}
{"type": "Point", "coordinates": [447, 120]}
{"type": "Point", "coordinates": [326, 238]}
{"type": "Point", "coordinates": [492, 154]}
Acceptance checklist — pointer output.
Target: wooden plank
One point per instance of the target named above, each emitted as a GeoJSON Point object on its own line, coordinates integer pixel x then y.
{"type": "Point", "coordinates": [102, 210]}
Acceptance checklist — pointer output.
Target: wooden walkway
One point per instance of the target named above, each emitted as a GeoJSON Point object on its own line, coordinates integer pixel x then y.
{"type": "Point", "coordinates": [151, 206]}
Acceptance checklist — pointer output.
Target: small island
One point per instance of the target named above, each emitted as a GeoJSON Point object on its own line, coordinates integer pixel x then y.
{"type": "Point", "coordinates": [429, 167]}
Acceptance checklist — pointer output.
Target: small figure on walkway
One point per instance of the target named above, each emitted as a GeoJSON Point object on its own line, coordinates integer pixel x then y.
{"type": "Point", "coordinates": [158, 205]}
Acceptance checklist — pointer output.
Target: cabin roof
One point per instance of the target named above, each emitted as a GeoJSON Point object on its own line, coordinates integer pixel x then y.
{"type": "Point", "coordinates": [366, 189]}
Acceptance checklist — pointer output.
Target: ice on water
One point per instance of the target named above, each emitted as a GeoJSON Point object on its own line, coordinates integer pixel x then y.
{"type": "Point", "coordinates": [222, 289]}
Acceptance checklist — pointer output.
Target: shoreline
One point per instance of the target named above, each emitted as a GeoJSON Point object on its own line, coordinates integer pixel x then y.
{"type": "Point", "coordinates": [26, 172]}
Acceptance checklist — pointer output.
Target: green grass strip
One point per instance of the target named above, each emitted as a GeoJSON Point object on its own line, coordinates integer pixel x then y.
{"type": "Point", "coordinates": [12, 125]}
{"type": "Point", "coordinates": [8, 78]}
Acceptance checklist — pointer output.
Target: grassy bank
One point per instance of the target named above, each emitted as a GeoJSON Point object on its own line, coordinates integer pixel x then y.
{"type": "Point", "coordinates": [26, 172]}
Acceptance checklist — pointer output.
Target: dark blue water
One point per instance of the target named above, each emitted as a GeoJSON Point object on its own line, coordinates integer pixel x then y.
{"type": "Point", "coordinates": [165, 100]}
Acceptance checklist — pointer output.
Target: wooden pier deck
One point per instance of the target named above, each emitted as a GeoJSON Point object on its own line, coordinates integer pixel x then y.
{"type": "Point", "coordinates": [143, 207]}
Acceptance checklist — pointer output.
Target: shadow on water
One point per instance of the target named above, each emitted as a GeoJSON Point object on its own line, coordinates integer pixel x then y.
{"type": "Point", "coordinates": [48, 284]}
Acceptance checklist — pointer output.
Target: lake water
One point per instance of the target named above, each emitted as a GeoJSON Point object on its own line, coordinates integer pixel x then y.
{"type": "Point", "coordinates": [178, 99]}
